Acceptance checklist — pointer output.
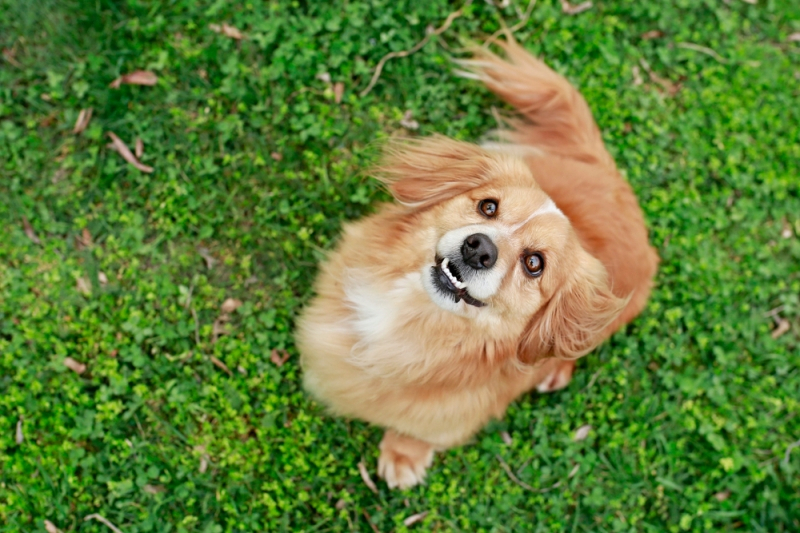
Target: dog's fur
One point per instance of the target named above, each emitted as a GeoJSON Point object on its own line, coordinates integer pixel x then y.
{"type": "Point", "coordinates": [382, 342]}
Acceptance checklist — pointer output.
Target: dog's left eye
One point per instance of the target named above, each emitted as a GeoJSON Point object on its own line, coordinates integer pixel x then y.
{"type": "Point", "coordinates": [534, 264]}
{"type": "Point", "coordinates": [488, 207]}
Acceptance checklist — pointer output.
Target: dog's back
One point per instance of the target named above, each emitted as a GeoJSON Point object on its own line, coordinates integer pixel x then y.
{"type": "Point", "coordinates": [557, 136]}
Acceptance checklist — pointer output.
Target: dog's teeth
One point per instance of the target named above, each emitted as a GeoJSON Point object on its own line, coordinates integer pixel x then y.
{"type": "Point", "coordinates": [450, 276]}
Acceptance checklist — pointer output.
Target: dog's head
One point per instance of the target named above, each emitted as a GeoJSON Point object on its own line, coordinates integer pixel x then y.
{"type": "Point", "coordinates": [498, 250]}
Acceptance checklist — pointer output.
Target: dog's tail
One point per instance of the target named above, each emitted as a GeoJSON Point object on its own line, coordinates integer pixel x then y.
{"type": "Point", "coordinates": [554, 116]}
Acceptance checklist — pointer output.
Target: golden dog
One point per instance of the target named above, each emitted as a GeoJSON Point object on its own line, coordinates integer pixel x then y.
{"type": "Point", "coordinates": [497, 267]}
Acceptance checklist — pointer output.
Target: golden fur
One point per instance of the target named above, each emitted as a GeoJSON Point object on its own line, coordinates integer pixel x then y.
{"type": "Point", "coordinates": [379, 343]}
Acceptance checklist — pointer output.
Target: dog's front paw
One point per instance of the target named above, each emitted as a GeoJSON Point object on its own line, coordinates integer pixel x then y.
{"type": "Point", "coordinates": [403, 460]}
{"type": "Point", "coordinates": [558, 378]}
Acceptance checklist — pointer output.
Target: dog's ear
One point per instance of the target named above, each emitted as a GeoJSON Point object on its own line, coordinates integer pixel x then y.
{"type": "Point", "coordinates": [576, 318]}
{"type": "Point", "coordinates": [422, 172]}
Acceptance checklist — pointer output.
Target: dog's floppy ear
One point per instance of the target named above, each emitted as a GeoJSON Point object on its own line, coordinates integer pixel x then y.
{"type": "Point", "coordinates": [576, 318]}
{"type": "Point", "coordinates": [422, 172]}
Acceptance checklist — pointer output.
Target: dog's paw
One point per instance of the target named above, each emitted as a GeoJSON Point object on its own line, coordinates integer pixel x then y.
{"type": "Point", "coordinates": [403, 460]}
{"type": "Point", "coordinates": [558, 378]}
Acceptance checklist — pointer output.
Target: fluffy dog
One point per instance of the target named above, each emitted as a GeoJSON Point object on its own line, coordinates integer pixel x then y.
{"type": "Point", "coordinates": [497, 267]}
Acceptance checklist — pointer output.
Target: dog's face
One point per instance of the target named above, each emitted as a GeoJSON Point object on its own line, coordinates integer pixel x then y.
{"type": "Point", "coordinates": [499, 249]}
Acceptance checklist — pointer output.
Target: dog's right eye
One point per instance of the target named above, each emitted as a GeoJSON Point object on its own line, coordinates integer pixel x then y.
{"type": "Point", "coordinates": [488, 207]}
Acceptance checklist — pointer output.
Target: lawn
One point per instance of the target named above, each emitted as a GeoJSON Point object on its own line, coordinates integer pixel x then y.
{"type": "Point", "coordinates": [135, 388]}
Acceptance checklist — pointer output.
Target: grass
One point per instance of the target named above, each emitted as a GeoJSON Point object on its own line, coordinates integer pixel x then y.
{"type": "Point", "coordinates": [692, 407]}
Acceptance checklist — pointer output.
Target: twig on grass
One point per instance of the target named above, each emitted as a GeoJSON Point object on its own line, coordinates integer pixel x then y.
{"type": "Point", "coordinates": [791, 447]}
{"type": "Point", "coordinates": [514, 478]}
{"type": "Point", "coordinates": [702, 50]}
{"type": "Point", "coordinates": [105, 521]}
{"type": "Point", "coordinates": [509, 31]}
{"type": "Point", "coordinates": [405, 53]}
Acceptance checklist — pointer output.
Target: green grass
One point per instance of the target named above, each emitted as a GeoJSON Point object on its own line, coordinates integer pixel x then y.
{"type": "Point", "coordinates": [694, 399]}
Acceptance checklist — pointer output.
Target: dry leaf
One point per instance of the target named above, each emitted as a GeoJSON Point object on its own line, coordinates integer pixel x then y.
{"type": "Point", "coordinates": [324, 77]}
{"type": "Point", "coordinates": [783, 327]}
{"type": "Point", "coordinates": [19, 437]}
{"type": "Point", "coordinates": [338, 91]}
{"type": "Point", "coordinates": [751, 2]}
{"type": "Point", "coordinates": [207, 257]}
{"type": "Point", "coordinates": [9, 55]}
{"type": "Point", "coordinates": [138, 148]}
{"type": "Point", "coordinates": [276, 156]}
{"type": "Point", "coordinates": [794, 37]}
{"type": "Point", "coordinates": [341, 504]}
{"type": "Point", "coordinates": [102, 278]}
{"type": "Point", "coordinates": [104, 520]}
{"type": "Point", "coordinates": [203, 464]}
{"type": "Point", "coordinates": [84, 240]}
{"type": "Point", "coordinates": [154, 489]}
{"type": "Point", "coordinates": [506, 438]}
{"type": "Point", "coordinates": [722, 496]}
{"type": "Point", "coordinates": [278, 356]}
{"type": "Point", "coordinates": [219, 364]}
{"type": "Point", "coordinates": [582, 432]}
{"type": "Point", "coordinates": [573, 471]}
{"type": "Point", "coordinates": [84, 286]}
{"type": "Point", "coordinates": [414, 518]}
{"type": "Point", "coordinates": [126, 154]}
{"type": "Point", "coordinates": [59, 175]}
{"type": "Point", "coordinates": [786, 232]}
{"type": "Point", "coordinates": [408, 121]}
{"type": "Point", "coordinates": [83, 121]}
{"type": "Point", "coordinates": [138, 77]}
{"type": "Point", "coordinates": [219, 328]}
{"type": "Point", "coordinates": [227, 30]}
{"type": "Point", "coordinates": [29, 231]}
{"type": "Point", "coordinates": [362, 469]}
{"type": "Point", "coordinates": [230, 305]}
{"type": "Point", "coordinates": [569, 9]}
{"type": "Point", "coordinates": [637, 76]}
{"type": "Point", "coordinates": [51, 527]}
{"type": "Point", "coordinates": [75, 366]}
{"type": "Point", "coordinates": [652, 34]}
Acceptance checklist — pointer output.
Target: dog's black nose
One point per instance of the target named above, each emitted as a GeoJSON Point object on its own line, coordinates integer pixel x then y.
{"type": "Point", "coordinates": [479, 251]}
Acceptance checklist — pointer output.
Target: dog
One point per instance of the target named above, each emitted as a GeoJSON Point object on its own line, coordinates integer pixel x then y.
{"type": "Point", "coordinates": [494, 270]}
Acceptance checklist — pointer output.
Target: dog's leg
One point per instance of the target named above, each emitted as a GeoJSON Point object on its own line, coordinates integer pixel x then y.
{"type": "Point", "coordinates": [403, 460]}
{"type": "Point", "coordinates": [557, 375]}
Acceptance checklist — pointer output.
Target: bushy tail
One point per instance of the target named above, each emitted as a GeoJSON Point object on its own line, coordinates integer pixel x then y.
{"type": "Point", "coordinates": [554, 116]}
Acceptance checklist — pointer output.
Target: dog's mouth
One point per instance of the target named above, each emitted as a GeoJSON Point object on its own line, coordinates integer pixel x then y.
{"type": "Point", "coordinates": [448, 280]}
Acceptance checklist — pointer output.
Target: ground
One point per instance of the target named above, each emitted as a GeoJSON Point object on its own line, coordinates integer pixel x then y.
{"type": "Point", "coordinates": [175, 414]}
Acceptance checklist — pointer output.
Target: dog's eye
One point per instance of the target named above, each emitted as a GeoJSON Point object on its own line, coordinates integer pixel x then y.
{"type": "Point", "coordinates": [488, 207]}
{"type": "Point", "coordinates": [534, 264]}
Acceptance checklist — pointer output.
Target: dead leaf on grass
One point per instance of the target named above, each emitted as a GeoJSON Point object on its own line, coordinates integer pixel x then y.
{"type": "Point", "coordinates": [783, 327]}
{"type": "Point", "coordinates": [408, 121]}
{"type": "Point", "coordinates": [341, 504]}
{"type": "Point", "coordinates": [414, 518]}
{"type": "Point", "coordinates": [29, 231]}
{"type": "Point", "coordinates": [50, 527]}
{"type": "Point", "coordinates": [723, 495]}
{"type": "Point", "coordinates": [75, 366]}
{"type": "Point", "coordinates": [637, 76]}
{"type": "Point", "coordinates": [786, 232]}
{"type": "Point", "coordinates": [220, 327]}
{"type": "Point", "coordinates": [83, 121]}
{"type": "Point", "coordinates": [154, 489]}
{"type": "Point", "coordinates": [278, 356]}
{"type": "Point", "coordinates": [84, 240]}
{"type": "Point", "coordinates": [276, 156]}
{"type": "Point", "coordinates": [230, 305]}
{"type": "Point", "coordinates": [582, 432]}
{"type": "Point", "coordinates": [324, 77]}
{"type": "Point", "coordinates": [362, 469]}
{"type": "Point", "coordinates": [138, 148]}
{"type": "Point", "coordinates": [794, 37]}
{"type": "Point", "coordinates": [19, 437]}
{"type": "Point", "coordinates": [137, 77]}
{"type": "Point", "coordinates": [338, 92]}
{"type": "Point", "coordinates": [84, 286]}
{"type": "Point", "coordinates": [207, 257]}
{"type": "Point", "coordinates": [126, 153]}
{"type": "Point", "coordinates": [219, 364]}
{"type": "Point", "coordinates": [102, 278]}
{"type": "Point", "coordinates": [570, 9]}
{"type": "Point", "coordinates": [10, 55]}
{"type": "Point", "coordinates": [227, 30]}
{"type": "Point", "coordinates": [652, 34]}
{"type": "Point", "coordinates": [506, 438]}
